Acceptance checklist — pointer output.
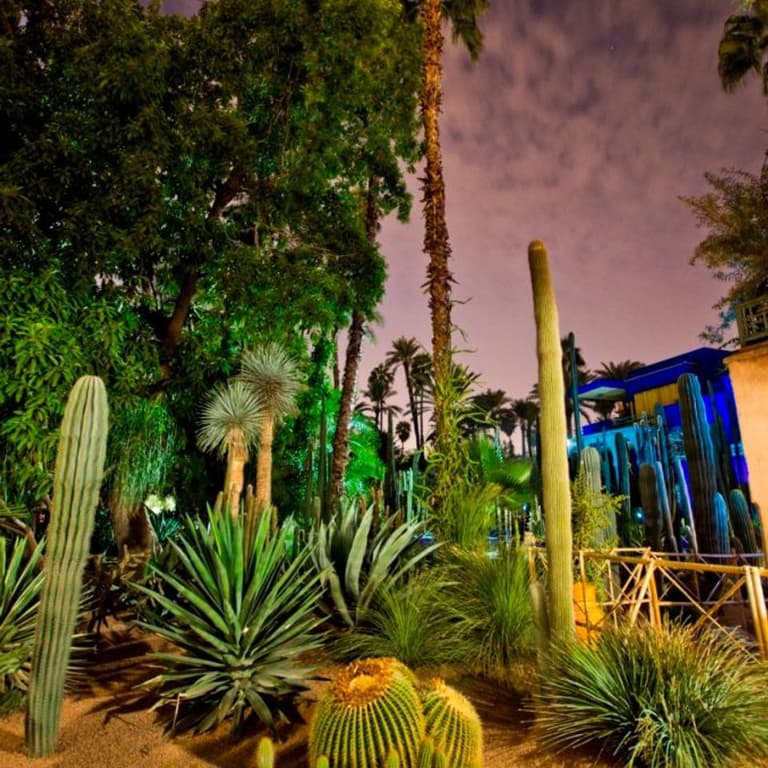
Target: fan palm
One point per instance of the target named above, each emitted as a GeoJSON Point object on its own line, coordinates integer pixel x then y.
{"type": "Point", "coordinates": [379, 390]}
{"type": "Point", "coordinates": [743, 47]}
{"type": "Point", "coordinates": [403, 353]}
{"type": "Point", "coordinates": [276, 379]}
{"type": "Point", "coordinates": [230, 423]}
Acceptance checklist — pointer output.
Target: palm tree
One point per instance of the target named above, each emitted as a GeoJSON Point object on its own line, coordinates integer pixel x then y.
{"type": "Point", "coordinates": [403, 432]}
{"type": "Point", "coordinates": [379, 390]}
{"type": "Point", "coordinates": [276, 380]}
{"type": "Point", "coordinates": [421, 378]}
{"type": "Point", "coordinates": [743, 46]}
{"type": "Point", "coordinates": [527, 412]}
{"type": "Point", "coordinates": [617, 372]}
{"type": "Point", "coordinates": [403, 353]}
{"type": "Point", "coordinates": [508, 425]}
{"type": "Point", "coordinates": [230, 423]}
{"type": "Point", "coordinates": [488, 405]}
{"type": "Point", "coordinates": [462, 15]}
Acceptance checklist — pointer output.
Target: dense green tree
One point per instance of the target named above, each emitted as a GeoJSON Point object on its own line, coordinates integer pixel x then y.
{"type": "Point", "coordinates": [735, 215]}
{"type": "Point", "coordinates": [198, 181]}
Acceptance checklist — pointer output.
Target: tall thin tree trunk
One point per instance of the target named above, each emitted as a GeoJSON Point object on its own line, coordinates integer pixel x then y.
{"type": "Point", "coordinates": [234, 480]}
{"type": "Point", "coordinates": [340, 452]}
{"type": "Point", "coordinates": [436, 243]}
{"type": "Point", "coordinates": [412, 404]}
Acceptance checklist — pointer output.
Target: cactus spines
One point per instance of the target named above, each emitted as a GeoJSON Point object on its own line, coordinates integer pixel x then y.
{"type": "Point", "coordinates": [265, 753]}
{"type": "Point", "coordinates": [685, 503]}
{"type": "Point", "coordinates": [702, 464]}
{"type": "Point", "coordinates": [555, 481]}
{"type": "Point", "coordinates": [741, 521]}
{"type": "Point", "coordinates": [623, 467]}
{"type": "Point", "coordinates": [371, 708]}
{"type": "Point", "coordinates": [76, 483]}
{"type": "Point", "coordinates": [454, 725]}
{"type": "Point", "coordinates": [649, 498]}
{"type": "Point", "coordinates": [722, 528]}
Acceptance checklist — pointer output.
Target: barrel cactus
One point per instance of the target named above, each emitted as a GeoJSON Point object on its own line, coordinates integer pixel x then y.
{"type": "Point", "coordinates": [76, 483]}
{"type": "Point", "coordinates": [370, 710]}
{"type": "Point", "coordinates": [454, 725]}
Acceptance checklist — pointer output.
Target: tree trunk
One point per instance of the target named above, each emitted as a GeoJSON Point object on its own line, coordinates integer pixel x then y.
{"type": "Point", "coordinates": [436, 244]}
{"type": "Point", "coordinates": [340, 454]}
{"type": "Point", "coordinates": [263, 494]}
{"type": "Point", "coordinates": [237, 455]}
{"type": "Point", "coordinates": [412, 404]}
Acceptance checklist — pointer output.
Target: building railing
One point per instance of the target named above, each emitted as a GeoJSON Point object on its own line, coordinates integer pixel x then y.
{"type": "Point", "coordinates": [752, 320]}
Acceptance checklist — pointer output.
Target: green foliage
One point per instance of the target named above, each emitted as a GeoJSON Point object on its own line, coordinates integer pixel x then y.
{"type": "Point", "coordinates": [734, 215]}
{"type": "Point", "coordinates": [371, 708]}
{"type": "Point", "coordinates": [492, 597]}
{"type": "Point", "coordinates": [77, 481]}
{"type": "Point", "coordinates": [355, 561]}
{"type": "Point", "coordinates": [662, 698]}
{"type": "Point", "coordinates": [411, 620]}
{"type": "Point", "coordinates": [242, 615]}
{"type": "Point", "coordinates": [21, 580]}
{"type": "Point", "coordinates": [231, 414]}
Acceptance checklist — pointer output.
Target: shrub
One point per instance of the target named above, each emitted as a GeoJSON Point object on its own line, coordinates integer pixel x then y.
{"type": "Point", "coordinates": [492, 596]}
{"type": "Point", "coordinates": [410, 621]}
{"type": "Point", "coordinates": [672, 697]}
{"type": "Point", "coordinates": [242, 616]}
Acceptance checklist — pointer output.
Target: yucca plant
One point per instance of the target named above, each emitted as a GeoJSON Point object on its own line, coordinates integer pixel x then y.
{"type": "Point", "coordinates": [230, 423]}
{"type": "Point", "coordinates": [355, 562]}
{"type": "Point", "coordinates": [411, 621]}
{"type": "Point", "coordinates": [492, 597]}
{"type": "Point", "coordinates": [276, 379]}
{"type": "Point", "coordinates": [672, 697]}
{"type": "Point", "coordinates": [242, 617]}
{"type": "Point", "coordinates": [20, 582]}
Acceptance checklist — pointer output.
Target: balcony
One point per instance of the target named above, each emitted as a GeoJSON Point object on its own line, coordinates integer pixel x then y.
{"type": "Point", "coordinates": [752, 320]}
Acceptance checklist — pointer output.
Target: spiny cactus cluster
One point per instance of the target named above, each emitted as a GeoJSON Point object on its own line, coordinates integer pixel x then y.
{"type": "Point", "coordinates": [376, 714]}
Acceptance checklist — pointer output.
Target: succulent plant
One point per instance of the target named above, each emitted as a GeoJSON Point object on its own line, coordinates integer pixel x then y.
{"type": "Point", "coordinates": [741, 520]}
{"type": "Point", "coordinates": [371, 709]}
{"type": "Point", "coordinates": [76, 484]}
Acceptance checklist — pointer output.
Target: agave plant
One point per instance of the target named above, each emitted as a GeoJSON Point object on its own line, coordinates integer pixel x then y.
{"type": "Point", "coordinates": [664, 698]}
{"type": "Point", "coordinates": [20, 581]}
{"type": "Point", "coordinates": [242, 616]}
{"type": "Point", "coordinates": [355, 563]}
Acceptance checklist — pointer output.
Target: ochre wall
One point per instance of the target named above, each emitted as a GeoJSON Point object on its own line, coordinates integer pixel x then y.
{"type": "Point", "coordinates": [645, 402]}
{"type": "Point", "coordinates": [749, 375]}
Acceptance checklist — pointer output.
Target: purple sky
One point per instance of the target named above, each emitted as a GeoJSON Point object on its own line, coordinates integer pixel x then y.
{"type": "Point", "coordinates": [581, 125]}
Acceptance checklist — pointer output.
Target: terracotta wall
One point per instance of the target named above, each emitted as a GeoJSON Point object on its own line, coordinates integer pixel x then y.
{"type": "Point", "coordinates": [749, 375]}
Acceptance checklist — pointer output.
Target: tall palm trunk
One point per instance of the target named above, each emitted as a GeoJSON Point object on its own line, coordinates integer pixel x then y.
{"type": "Point", "coordinates": [263, 495]}
{"type": "Point", "coordinates": [412, 403]}
{"type": "Point", "coordinates": [436, 244]}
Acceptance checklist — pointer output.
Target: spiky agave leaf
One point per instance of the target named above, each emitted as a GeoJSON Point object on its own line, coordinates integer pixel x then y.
{"type": "Point", "coordinates": [242, 617]}
{"type": "Point", "coordinates": [232, 414]}
{"type": "Point", "coordinates": [275, 377]}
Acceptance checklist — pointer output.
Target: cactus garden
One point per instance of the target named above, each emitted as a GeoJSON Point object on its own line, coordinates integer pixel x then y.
{"type": "Point", "coordinates": [225, 538]}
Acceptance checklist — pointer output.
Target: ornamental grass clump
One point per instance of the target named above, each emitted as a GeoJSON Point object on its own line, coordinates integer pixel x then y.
{"type": "Point", "coordinates": [242, 616]}
{"type": "Point", "coordinates": [672, 697]}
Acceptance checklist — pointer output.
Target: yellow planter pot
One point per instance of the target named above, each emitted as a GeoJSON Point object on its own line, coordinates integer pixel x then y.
{"type": "Point", "coordinates": [588, 611]}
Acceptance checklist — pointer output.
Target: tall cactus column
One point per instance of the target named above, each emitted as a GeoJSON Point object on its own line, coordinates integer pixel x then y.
{"type": "Point", "coordinates": [556, 490]}
{"type": "Point", "coordinates": [76, 483]}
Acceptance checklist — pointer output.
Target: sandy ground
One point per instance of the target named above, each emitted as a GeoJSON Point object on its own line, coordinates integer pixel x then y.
{"type": "Point", "coordinates": [97, 731]}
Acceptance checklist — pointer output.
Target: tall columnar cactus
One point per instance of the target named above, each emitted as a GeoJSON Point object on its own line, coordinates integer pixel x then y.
{"type": "Point", "coordinates": [665, 510]}
{"type": "Point", "coordinates": [76, 483]}
{"type": "Point", "coordinates": [741, 520]}
{"type": "Point", "coordinates": [371, 709]}
{"type": "Point", "coordinates": [684, 500]}
{"type": "Point", "coordinates": [722, 526]}
{"type": "Point", "coordinates": [702, 464]}
{"type": "Point", "coordinates": [625, 490]}
{"type": "Point", "coordinates": [454, 725]}
{"type": "Point", "coordinates": [555, 481]}
{"type": "Point", "coordinates": [649, 498]}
